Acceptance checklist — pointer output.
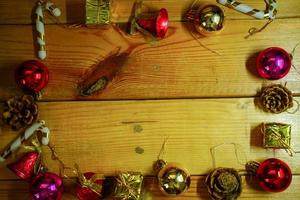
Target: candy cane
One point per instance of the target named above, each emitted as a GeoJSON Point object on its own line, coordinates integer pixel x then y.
{"type": "Point", "coordinates": [269, 13]}
{"type": "Point", "coordinates": [37, 126]}
{"type": "Point", "coordinates": [40, 26]}
{"type": "Point", "coordinates": [40, 29]}
{"type": "Point", "coordinates": [53, 9]}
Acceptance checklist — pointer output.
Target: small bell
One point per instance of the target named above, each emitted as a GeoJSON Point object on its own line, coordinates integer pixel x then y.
{"type": "Point", "coordinates": [173, 179]}
{"type": "Point", "coordinates": [208, 19]}
{"type": "Point", "coordinates": [157, 23]}
{"type": "Point", "coordinates": [273, 174]}
{"type": "Point", "coordinates": [24, 168]}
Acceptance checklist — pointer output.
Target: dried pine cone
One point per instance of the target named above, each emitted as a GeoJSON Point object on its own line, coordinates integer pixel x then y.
{"type": "Point", "coordinates": [276, 98]}
{"type": "Point", "coordinates": [20, 111]}
{"type": "Point", "coordinates": [224, 184]}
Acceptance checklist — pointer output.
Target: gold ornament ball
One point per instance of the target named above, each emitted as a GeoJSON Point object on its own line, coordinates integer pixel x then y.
{"type": "Point", "coordinates": [210, 19]}
{"type": "Point", "coordinates": [173, 179]}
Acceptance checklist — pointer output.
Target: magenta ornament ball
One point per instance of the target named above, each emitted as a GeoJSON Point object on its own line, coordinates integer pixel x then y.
{"type": "Point", "coordinates": [273, 63]}
{"type": "Point", "coordinates": [46, 186]}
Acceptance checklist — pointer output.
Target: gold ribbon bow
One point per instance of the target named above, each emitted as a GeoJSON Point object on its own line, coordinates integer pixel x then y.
{"type": "Point", "coordinates": [129, 186]}
{"type": "Point", "coordinates": [91, 183]}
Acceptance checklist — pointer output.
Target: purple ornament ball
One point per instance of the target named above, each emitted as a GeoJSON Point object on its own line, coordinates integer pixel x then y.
{"type": "Point", "coordinates": [273, 63]}
{"type": "Point", "coordinates": [46, 186]}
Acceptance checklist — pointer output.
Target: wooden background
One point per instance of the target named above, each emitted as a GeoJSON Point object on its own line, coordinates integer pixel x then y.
{"type": "Point", "coordinates": [171, 88]}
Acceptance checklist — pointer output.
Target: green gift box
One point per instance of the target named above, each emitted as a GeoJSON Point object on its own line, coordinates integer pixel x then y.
{"type": "Point", "coordinates": [97, 12]}
{"type": "Point", "coordinates": [277, 135]}
{"type": "Point", "coordinates": [129, 186]}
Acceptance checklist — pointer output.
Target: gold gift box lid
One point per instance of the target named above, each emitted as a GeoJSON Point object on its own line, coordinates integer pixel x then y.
{"type": "Point", "coordinates": [97, 12]}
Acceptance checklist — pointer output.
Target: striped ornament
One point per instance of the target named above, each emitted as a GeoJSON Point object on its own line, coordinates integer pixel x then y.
{"type": "Point", "coordinates": [269, 13]}
{"type": "Point", "coordinates": [40, 30]}
{"type": "Point", "coordinates": [16, 144]}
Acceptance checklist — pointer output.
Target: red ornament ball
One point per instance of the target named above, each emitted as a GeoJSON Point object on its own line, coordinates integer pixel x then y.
{"type": "Point", "coordinates": [273, 63]}
{"type": "Point", "coordinates": [32, 76]}
{"type": "Point", "coordinates": [84, 193]}
{"type": "Point", "coordinates": [46, 186]}
{"type": "Point", "coordinates": [274, 175]}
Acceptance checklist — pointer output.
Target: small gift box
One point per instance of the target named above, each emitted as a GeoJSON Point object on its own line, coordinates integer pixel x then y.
{"type": "Point", "coordinates": [129, 186]}
{"type": "Point", "coordinates": [97, 12]}
{"type": "Point", "coordinates": [277, 135]}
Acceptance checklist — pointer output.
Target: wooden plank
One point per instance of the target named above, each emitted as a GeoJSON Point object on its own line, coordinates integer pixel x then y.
{"type": "Point", "coordinates": [175, 67]}
{"type": "Point", "coordinates": [127, 135]}
{"type": "Point", "coordinates": [19, 12]}
{"type": "Point", "coordinates": [19, 190]}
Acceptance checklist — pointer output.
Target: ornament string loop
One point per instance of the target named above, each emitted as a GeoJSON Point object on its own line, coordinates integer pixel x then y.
{"type": "Point", "coordinates": [55, 157]}
{"type": "Point", "coordinates": [252, 31]}
{"type": "Point", "coordinates": [296, 109]}
{"type": "Point", "coordinates": [213, 152]}
{"type": "Point", "coordinates": [292, 54]}
{"type": "Point", "coordinates": [162, 151]}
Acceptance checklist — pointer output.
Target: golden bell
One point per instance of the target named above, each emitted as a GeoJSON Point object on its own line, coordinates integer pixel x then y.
{"type": "Point", "coordinates": [173, 179]}
{"type": "Point", "coordinates": [208, 19]}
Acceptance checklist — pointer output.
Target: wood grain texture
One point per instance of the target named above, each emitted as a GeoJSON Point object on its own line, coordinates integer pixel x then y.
{"type": "Point", "coordinates": [105, 136]}
{"type": "Point", "coordinates": [172, 88]}
{"type": "Point", "coordinates": [175, 67]}
{"type": "Point", "coordinates": [19, 190]}
{"type": "Point", "coordinates": [20, 11]}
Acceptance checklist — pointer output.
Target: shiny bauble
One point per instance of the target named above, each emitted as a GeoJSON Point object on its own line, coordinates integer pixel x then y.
{"type": "Point", "coordinates": [274, 175]}
{"type": "Point", "coordinates": [209, 19]}
{"type": "Point", "coordinates": [273, 63]}
{"type": "Point", "coordinates": [85, 193]}
{"type": "Point", "coordinates": [46, 186]}
{"type": "Point", "coordinates": [24, 167]}
{"type": "Point", "coordinates": [32, 76]}
{"type": "Point", "coordinates": [173, 179]}
{"type": "Point", "coordinates": [157, 26]}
